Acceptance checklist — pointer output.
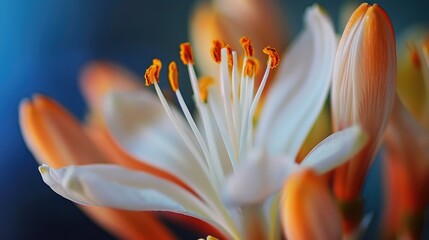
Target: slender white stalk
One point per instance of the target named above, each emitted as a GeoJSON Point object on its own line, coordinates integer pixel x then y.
{"type": "Point", "coordinates": [194, 85]}
{"type": "Point", "coordinates": [225, 90]}
{"type": "Point", "coordinates": [243, 82]}
{"type": "Point", "coordinates": [181, 132]}
{"type": "Point", "coordinates": [214, 107]}
{"type": "Point", "coordinates": [236, 104]}
{"type": "Point", "coordinates": [258, 97]}
{"type": "Point", "coordinates": [208, 125]}
{"type": "Point", "coordinates": [199, 137]}
{"type": "Point", "coordinates": [245, 115]}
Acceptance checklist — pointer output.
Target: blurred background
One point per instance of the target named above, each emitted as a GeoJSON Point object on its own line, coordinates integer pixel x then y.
{"type": "Point", "coordinates": [44, 45]}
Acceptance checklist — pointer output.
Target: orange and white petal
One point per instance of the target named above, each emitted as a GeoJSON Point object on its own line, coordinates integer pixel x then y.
{"type": "Point", "coordinates": [365, 71]}
{"type": "Point", "coordinates": [307, 208]}
{"type": "Point", "coordinates": [297, 96]}
{"type": "Point", "coordinates": [117, 155]}
{"type": "Point", "coordinates": [116, 187]}
{"type": "Point", "coordinates": [55, 137]}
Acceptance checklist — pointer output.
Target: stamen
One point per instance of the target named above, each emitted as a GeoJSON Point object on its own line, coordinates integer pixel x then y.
{"type": "Point", "coordinates": [150, 75]}
{"type": "Point", "coordinates": [251, 67]}
{"type": "Point", "coordinates": [186, 53]}
{"type": "Point", "coordinates": [173, 76]}
{"type": "Point", "coordinates": [215, 50]}
{"type": "Point", "coordinates": [205, 83]}
{"type": "Point", "coordinates": [247, 46]}
{"type": "Point", "coordinates": [273, 55]}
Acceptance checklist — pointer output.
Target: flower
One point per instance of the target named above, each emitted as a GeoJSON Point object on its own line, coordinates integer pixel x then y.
{"type": "Point", "coordinates": [363, 90]}
{"type": "Point", "coordinates": [221, 169]}
{"type": "Point", "coordinates": [406, 161]}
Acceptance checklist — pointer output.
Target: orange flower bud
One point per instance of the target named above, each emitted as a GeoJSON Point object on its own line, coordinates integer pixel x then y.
{"type": "Point", "coordinates": [363, 88]}
{"type": "Point", "coordinates": [308, 211]}
{"type": "Point", "coordinates": [362, 93]}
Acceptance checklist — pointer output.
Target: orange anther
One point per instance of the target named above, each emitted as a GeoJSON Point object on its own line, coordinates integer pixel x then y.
{"type": "Point", "coordinates": [273, 55]}
{"type": "Point", "coordinates": [215, 50]}
{"type": "Point", "coordinates": [150, 75]}
{"type": "Point", "coordinates": [247, 46]}
{"type": "Point", "coordinates": [173, 76]}
{"type": "Point", "coordinates": [186, 53]}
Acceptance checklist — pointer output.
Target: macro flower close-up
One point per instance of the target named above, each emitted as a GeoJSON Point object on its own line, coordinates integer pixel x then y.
{"type": "Point", "coordinates": [247, 131]}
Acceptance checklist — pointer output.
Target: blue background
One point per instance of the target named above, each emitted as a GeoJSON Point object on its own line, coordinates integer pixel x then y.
{"type": "Point", "coordinates": [43, 46]}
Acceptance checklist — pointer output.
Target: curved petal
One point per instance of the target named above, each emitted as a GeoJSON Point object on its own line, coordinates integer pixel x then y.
{"type": "Point", "coordinates": [336, 149]}
{"type": "Point", "coordinates": [267, 176]}
{"type": "Point", "coordinates": [116, 187]}
{"type": "Point", "coordinates": [308, 210]}
{"type": "Point", "coordinates": [129, 224]}
{"type": "Point", "coordinates": [117, 155]}
{"type": "Point", "coordinates": [296, 99]}
{"type": "Point", "coordinates": [262, 21]}
{"type": "Point", "coordinates": [100, 78]}
{"type": "Point", "coordinates": [140, 125]}
{"type": "Point", "coordinates": [54, 136]}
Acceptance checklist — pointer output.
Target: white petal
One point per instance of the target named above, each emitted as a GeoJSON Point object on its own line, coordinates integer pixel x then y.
{"type": "Point", "coordinates": [116, 187]}
{"type": "Point", "coordinates": [139, 123]}
{"type": "Point", "coordinates": [297, 96]}
{"type": "Point", "coordinates": [336, 149]}
{"type": "Point", "coordinates": [257, 178]}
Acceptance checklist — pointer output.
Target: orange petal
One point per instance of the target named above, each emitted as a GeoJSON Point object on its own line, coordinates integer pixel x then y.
{"type": "Point", "coordinates": [406, 167]}
{"type": "Point", "coordinates": [99, 78]}
{"type": "Point", "coordinates": [54, 136]}
{"type": "Point", "coordinates": [200, 227]}
{"type": "Point", "coordinates": [308, 210]}
{"type": "Point", "coordinates": [228, 21]}
{"type": "Point", "coordinates": [129, 224]}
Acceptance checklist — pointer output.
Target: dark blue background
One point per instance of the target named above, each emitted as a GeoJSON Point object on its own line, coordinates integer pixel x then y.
{"type": "Point", "coordinates": [43, 46]}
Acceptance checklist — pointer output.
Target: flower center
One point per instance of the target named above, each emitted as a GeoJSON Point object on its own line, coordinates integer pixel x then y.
{"type": "Point", "coordinates": [226, 106]}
